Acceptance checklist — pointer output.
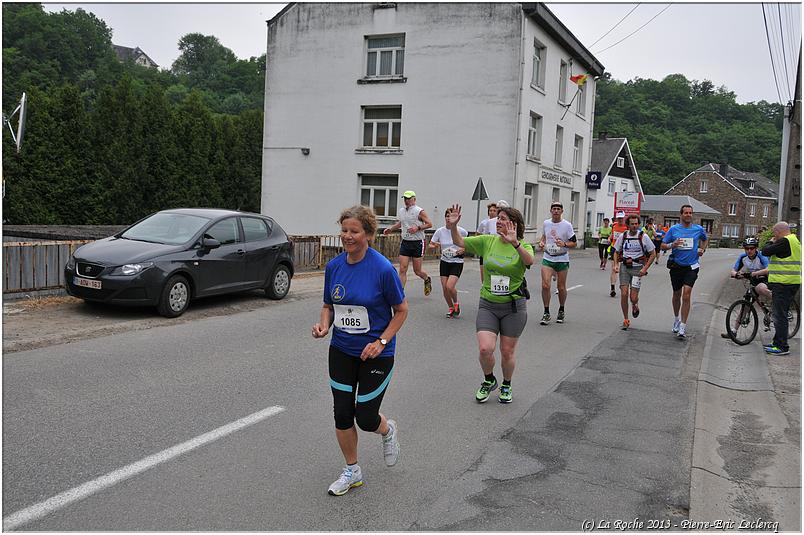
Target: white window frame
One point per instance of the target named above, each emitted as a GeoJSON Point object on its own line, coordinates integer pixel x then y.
{"type": "Point", "coordinates": [555, 195]}
{"type": "Point", "coordinates": [765, 210]}
{"type": "Point", "coordinates": [581, 109]}
{"type": "Point", "coordinates": [575, 200]}
{"type": "Point", "coordinates": [559, 145]}
{"type": "Point", "coordinates": [624, 185]}
{"type": "Point", "coordinates": [577, 154]}
{"type": "Point", "coordinates": [704, 186]}
{"type": "Point", "coordinates": [751, 230]}
{"type": "Point", "coordinates": [599, 220]}
{"type": "Point", "coordinates": [620, 162]}
{"type": "Point", "coordinates": [539, 64]}
{"type": "Point", "coordinates": [390, 123]}
{"type": "Point", "coordinates": [752, 210]}
{"type": "Point", "coordinates": [535, 136]}
{"type": "Point", "coordinates": [562, 82]}
{"type": "Point", "coordinates": [732, 208]}
{"type": "Point", "coordinates": [731, 230]}
{"type": "Point", "coordinates": [612, 186]}
{"type": "Point", "coordinates": [527, 204]}
{"type": "Point", "coordinates": [397, 57]}
{"type": "Point", "coordinates": [391, 193]}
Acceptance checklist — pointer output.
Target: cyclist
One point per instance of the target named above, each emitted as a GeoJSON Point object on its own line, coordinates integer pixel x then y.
{"type": "Point", "coordinates": [755, 264]}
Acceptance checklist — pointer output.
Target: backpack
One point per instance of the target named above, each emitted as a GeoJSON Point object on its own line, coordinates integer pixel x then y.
{"type": "Point", "coordinates": [642, 259]}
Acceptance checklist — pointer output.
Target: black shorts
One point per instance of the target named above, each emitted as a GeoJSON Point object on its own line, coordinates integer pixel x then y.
{"type": "Point", "coordinates": [658, 245]}
{"type": "Point", "coordinates": [757, 280]}
{"type": "Point", "coordinates": [445, 269]}
{"type": "Point", "coordinates": [601, 250]}
{"type": "Point", "coordinates": [683, 276]}
{"type": "Point", "coordinates": [412, 248]}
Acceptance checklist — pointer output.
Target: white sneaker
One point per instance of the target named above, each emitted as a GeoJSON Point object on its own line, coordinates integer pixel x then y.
{"type": "Point", "coordinates": [682, 332]}
{"type": "Point", "coordinates": [676, 325]}
{"type": "Point", "coordinates": [390, 445]}
{"type": "Point", "coordinates": [350, 477]}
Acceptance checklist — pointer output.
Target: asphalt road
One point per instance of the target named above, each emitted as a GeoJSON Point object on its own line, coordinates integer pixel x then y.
{"type": "Point", "coordinates": [600, 426]}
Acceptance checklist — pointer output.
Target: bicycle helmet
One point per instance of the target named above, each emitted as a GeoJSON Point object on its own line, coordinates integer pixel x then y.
{"type": "Point", "coordinates": [751, 242]}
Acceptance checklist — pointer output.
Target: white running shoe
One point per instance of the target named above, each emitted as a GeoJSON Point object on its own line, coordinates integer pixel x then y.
{"type": "Point", "coordinates": [350, 477]}
{"type": "Point", "coordinates": [390, 445]}
{"type": "Point", "coordinates": [676, 325]}
{"type": "Point", "coordinates": [682, 332]}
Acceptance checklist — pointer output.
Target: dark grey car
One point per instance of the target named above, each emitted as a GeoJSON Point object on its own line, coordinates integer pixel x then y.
{"type": "Point", "coordinates": [173, 256]}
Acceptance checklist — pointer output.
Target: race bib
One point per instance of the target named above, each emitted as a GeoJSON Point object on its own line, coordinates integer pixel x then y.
{"type": "Point", "coordinates": [696, 265]}
{"type": "Point", "coordinates": [406, 235]}
{"type": "Point", "coordinates": [604, 241]}
{"type": "Point", "coordinates": [554, 250]}
{"type": "Point", "coordinates": [351, 319]}
{"type": "Point", "coordinates": [500, 285]}
{"type": "Point", "coordinates": [449, 252]}
{"type": "Point", "coordinates": [686, 244]}
{"type": "Point", "coordinates": [636, 282]}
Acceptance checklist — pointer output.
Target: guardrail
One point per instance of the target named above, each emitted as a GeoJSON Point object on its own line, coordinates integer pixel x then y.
{"type": "Point", "coordinates": [38, 266]}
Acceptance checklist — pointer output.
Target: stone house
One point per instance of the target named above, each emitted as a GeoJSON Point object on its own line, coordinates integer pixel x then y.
{"type": "Point", "coordinates": [612, 159]}
{"type": "Point", "coordinates": [747, 201]}
{"type": "Point", "coordinates": [366, 100]}
{"type": "Point", "coordinates": [135, 54]}
{"type": "Point", "coordinates": [666, 210]}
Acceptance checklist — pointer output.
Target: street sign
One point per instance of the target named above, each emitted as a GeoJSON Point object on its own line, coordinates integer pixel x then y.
{"type": "Point", "coordinates": [627, 201]}
{"type": "Point", "coordinates": [593, 179]}
{"type": "Point", "coordinates": [480, 191]}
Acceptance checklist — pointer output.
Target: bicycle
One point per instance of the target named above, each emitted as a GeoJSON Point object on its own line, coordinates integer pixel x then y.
{"type": "Point", "coordinates": [742, 321]}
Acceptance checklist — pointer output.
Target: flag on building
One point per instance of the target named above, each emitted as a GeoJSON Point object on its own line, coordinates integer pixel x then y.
{"type": "Point", "coordinates": [579, 79]}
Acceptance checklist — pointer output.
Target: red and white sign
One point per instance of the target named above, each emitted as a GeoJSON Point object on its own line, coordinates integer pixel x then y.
{"type": "Point", "coordinates": [627, 201]}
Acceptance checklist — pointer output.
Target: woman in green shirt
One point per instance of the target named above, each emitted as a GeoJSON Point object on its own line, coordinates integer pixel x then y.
{"type": "Point", "coordinates": [503, 308]}
{"type": "Point", "coordinates": [605, 240]}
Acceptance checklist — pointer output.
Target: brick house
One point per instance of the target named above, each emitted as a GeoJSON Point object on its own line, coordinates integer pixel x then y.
{"type": "Point", "coordinates": [666, 210]}
{"type": "Point", "coordinates": [747, 201]}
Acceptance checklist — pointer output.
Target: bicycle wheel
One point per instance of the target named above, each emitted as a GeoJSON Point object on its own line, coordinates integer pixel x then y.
{"type": "Point", "coordinates": [742, 322]}
{"type": "Point", "coordinates": [793, 319]}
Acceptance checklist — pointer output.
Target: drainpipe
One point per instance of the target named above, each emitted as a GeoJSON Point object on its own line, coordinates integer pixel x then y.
{"type": "Point", "coordinates": [589, 167]}
{"type": "Point", "coordinates": [517, 137]}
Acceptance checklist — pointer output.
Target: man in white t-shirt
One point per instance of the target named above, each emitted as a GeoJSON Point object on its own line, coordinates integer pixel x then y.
{"type": "Point", "coordinates": [634, 253]}
{"type": "Point", "coordinates": [413, 221]}
{"type": "Point", "coordinates": [488, 226]}
{"type": "Point", "coordinates": [451, 265]}
{"type": "Point", "coordinates": [557, 238]}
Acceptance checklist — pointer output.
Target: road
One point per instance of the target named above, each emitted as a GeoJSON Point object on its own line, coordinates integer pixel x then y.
{"type": "Point", "coordinates": [600, 427]}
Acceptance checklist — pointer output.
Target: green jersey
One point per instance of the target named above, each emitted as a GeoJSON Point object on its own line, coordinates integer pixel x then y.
{"type": "Point", "coordinates": [503, 269]}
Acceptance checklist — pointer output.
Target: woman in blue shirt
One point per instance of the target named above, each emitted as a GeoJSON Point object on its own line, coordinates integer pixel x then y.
{"type": "Point", "coordinates": [365, 305]}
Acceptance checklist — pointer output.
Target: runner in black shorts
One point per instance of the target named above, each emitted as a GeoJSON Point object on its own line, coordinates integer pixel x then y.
{"type": "Point", "coordinates": [451, 265]}
{"type": "Point", "coordinates": [412, 223]}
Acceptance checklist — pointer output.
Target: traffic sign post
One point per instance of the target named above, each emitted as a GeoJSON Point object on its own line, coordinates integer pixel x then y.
{"type": "Point", "coordinates": [479, 195]}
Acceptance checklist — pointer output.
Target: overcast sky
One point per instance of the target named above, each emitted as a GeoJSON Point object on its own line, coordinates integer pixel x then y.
{"type": "Point", "coordinates": [724, 43]}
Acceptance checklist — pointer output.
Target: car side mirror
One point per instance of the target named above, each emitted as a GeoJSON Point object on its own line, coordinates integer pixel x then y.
{"type": "Point", "coordinates": [209, 243]}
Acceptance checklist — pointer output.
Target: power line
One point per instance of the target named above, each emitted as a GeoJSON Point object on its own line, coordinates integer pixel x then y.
{"type": "Point", "coordinates": [635, 31]}
{"type": "Point", "coordinates": [784, 54]}
{"type": "Point", "coordinates": [770, 52]}
{"type": "Point", "coordinates": [612, 28]}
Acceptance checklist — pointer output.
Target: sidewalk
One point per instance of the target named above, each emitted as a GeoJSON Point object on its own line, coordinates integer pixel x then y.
{"type": "Point", "coordinates": [746, 462]}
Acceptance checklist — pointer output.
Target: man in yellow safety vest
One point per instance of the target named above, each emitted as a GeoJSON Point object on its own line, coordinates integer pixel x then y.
{"type": "Point", "coordinates": [784, 280]}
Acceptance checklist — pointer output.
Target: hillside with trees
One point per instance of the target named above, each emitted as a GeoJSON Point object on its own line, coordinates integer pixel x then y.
{"type": "Point", "coordinates": [109, 142]}
{"type": "Point", "coordinates": [676, 125]}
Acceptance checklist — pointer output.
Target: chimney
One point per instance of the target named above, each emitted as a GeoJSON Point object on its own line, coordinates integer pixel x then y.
{"type": "Point", "coordinates": [602, 135]}
{"type": "Point", "coordinates": [724, 170]}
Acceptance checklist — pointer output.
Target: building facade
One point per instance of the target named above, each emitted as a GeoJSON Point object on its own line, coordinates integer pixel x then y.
{"type": "Point", "coordinates": [665, 210]}
{"type": "Point", "coordinates": [612, 159]}
{"type": "Point", "coordinates": [135, 54]}
{"type": "Point", "coordinates": [365, 101]}
{"type": "Point", "coordinates": [747, 201]}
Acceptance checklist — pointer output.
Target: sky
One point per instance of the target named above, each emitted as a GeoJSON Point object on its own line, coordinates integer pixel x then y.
{"type": "Point", "coordinates": [725, 43]}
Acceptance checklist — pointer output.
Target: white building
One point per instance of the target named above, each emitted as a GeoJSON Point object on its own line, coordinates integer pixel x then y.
{"type": "Point", "coordinates": [365, 101]}
{"type": "Point", "coordinates": [612, 159]}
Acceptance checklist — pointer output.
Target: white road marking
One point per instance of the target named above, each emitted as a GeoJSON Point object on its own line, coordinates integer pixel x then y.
{"type": "Point", "coordinates": [574, 287]}
{"type": "Point", "coordinates": [89, 488]}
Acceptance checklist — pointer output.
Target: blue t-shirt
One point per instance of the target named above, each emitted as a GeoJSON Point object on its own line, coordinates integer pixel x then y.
{"type": "Point", "coordinates": [372, 283]}
{"type": "Point", "coordinates": [759, 262]}
{"type": "Point", "coordinates": [687, 254]}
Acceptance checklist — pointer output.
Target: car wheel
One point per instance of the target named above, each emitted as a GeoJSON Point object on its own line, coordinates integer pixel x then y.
{"type": "Point", "coordinates": [175, 297]}
{"type": "Point", "coordinates": [279, 283]}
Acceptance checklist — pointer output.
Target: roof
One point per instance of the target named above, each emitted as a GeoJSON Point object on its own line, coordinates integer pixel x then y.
{"type": "Point", "coordinates": [209, 213]}
{"type": "Point", "coordinates": [673, 203]}
{"type": "Point", "coordinates": [763, 186]}
{"type": "Point", "coordinates": [544, 18]}
{"type": "Point", "coordinates": [604, 151]}
{"type": "Point", "coordinates": [125, 53]}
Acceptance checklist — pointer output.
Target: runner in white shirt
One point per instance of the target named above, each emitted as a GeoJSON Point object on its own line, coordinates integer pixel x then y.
{"type": "Point", "coordinates": [557, 238]}
{"type": "Point", "coordinates": [412, 222]}
{"type": "Point", "coordinates": [487, 226]}
{"type": "Point", "coordinates": [634, 253]}
{"type": "Point", "coordinates": [451, 265]}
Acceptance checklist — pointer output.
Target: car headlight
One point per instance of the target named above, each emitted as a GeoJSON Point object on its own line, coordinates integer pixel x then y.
{"type": "Point", "coordinates": [71, 262]}
{"type": "Point", "coordinates": [133, 269]}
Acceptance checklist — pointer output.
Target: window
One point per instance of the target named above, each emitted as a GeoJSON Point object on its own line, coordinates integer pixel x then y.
{"type": "Point", "coordinates": [556, 196]}
{"type": "Point", "coordinates": [670, 221]}
{"type": "Point", "coordinates": [539, 63]}
{"type": "Point", "coordinates": [225, 231]}
{"type": "Point", "coordinates": [562, 82]}
{"type": "Point", "coordinates": [559, 145]}
{"type": "Point", "coordinates": [751, 185]}
{"type": "Point", "coordinates": [382, 127]}
{"type": "Point", "coordinates": [581, 98]}
{"type": "Point", "coordinates": [752, 210]}
{"type": "Point", "coordinates": [588, 220]}
{"type": "Point", "coordinates": [254, 229]}
{"type": "Point", "coordinates": [385, 56]}
{"type": "Point", "coordinates": [575, 198]}
{"type": "Point", "coordinates": [577, 154]}
{"type": "Point", "coordinates": [765, 211]}
{"type": "Point", "coordinates": [623, 186]}
{"type": "Point", "coordinates": [380, 193]}
{"type": "Point", "coordinates": [535, 136]}
{"type": "Point", "coordinates": [708, 225]}
{"type": "Point", "coordinates": [704, 186]}
{"type": "Point", "coordinates": [621, 162]}
{"type": "Point", "coordinates": [732, 208]}
{"type": "Point", "coordinates": [731, 231]}
{"type": "Point", "coordinates": [527, 208]}
{"type": "Point", "coordinates": [751, 230]}
{"type": "Point", "coordinates": [599, 221]}
{"type": "Point", "coordinates": [612, 186]}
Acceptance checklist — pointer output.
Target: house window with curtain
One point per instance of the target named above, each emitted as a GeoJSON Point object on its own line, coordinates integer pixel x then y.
{"type": "Point", "coordinates": [704, 186]}
{"type": "Point", "coordinates": [535, 136]}
{"type": "Point", "coordinates": [527, 206]}
{"type": "Point", "coordinates": [765, 210]}
{"type": "Point", "coordinates": [385, 56]}
{"type": "Point", "coordinates": [382, 127]}
{"type": "Point", "coordinates": [562, 82]}
{"type": "Point", "coordinates": [577, 154]}
{"type": "Point", "coordinates": [559, 145]}
{"type": "Point", "coordinates": [612, 186]}
{"type": "Point", "coordinates": [380, 192]}
{"type": "Point", "coordinates": [732, 208]}
{"type": "Point", "coordinates": [752, 210]}
{"type": "Point", "coordinates": [539, 63]}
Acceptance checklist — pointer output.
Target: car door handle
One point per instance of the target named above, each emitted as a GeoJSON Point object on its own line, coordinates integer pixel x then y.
{"type": "Point", "coordinates": [241, 252]}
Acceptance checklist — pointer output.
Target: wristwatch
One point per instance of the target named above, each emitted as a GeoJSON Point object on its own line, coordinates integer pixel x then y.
{"type": "Point", "coordinates": [383, 341]}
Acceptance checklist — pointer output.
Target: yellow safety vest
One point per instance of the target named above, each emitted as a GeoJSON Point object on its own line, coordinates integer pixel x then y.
{"type": "Point", "coordinates": [787, 270]}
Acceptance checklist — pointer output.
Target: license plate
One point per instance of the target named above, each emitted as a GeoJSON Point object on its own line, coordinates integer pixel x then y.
{"type": "Point", "coordinates": [87, 283]}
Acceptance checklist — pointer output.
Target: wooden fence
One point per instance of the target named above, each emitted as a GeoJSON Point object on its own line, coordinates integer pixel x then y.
{"type": "Point", "coordinates": [37, 266]}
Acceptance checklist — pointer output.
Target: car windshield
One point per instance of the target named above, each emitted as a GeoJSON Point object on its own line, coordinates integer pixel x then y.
{"type": "Point", "coordinates": [167, 228]}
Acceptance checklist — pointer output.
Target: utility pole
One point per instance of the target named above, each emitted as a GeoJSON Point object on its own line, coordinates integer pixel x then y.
{"type": "Point", "coordinates": [790, 176]}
